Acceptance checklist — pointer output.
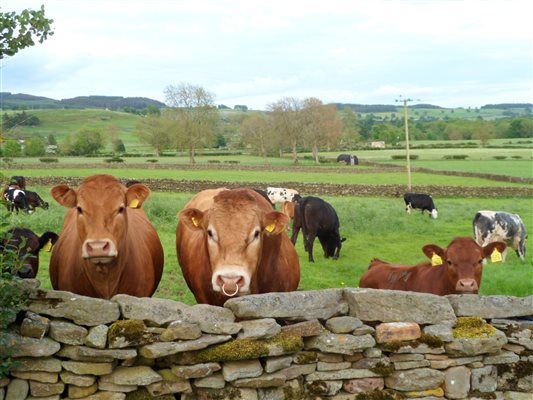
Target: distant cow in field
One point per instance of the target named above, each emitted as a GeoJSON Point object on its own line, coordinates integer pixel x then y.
{"type": "Point", "coordinates": [107, 244]}
{"type": "Point", "coordinates": [280, 195]}
{"type": "Point", "coordinates": [15, 200]}
{"type": "Point", "coordinates": [348, 159]}
{"type": "Point", "coordinates": [17, 181]}
{"type": "Point", "coordinates": [25, 246]}
{"type": "Point", "coordinates": [34, 201]}
{"type": "Point", "coordinates": [232, 243]}
{"type": "Point", "coordinates": [460, 271]}
{"type": "Point", "coordinates": [418, 201]}
{"type": "Point", "coordinates": [492, 226]}
{"type": "Point", "coordinates": [317, 218]}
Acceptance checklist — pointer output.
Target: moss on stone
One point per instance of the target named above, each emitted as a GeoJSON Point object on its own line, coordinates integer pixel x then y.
{"type": "Point", "coordinates": [306, 357]}
{"type": "Point", "coordinates": [294, 394]}
{"type": "Point", "coordinates": [382, 369]}
{"type": "Point", "coordinates": [143, 394]}
{"type": "Point", "coordinates": [519, 369]}
{"type": "Point", "coordinates": [482, 395]}
{"type": "Point", "coordinates": [377, 394]}
{"type": "Point", "coordinates": [472, 328]}
{"type": "Point", "coordinates": [393, 345]}
{"type": "Point", "coordinates": [131, 330]}
{"type": "Point", "coordinates": [432, 341]}
{"type": "Point", "coordinates": [243, 349]}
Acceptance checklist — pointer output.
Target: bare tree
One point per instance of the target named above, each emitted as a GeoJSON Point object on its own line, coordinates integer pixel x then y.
{"type": "Point", "coordinates": [256, 131]}
{"type": "Point", "coordinates": [193, 108]}
{"type": "Point", "coordinates": [321, 124]}
{"type": "Point", "coordinates": [286, 114]}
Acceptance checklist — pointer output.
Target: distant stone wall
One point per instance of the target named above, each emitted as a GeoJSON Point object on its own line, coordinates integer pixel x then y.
{"type": "Point", "coordinates": [330, 344]}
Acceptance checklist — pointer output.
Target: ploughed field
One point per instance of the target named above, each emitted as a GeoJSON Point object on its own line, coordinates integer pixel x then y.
{"type": "Point", "coordinates": [368, 201]}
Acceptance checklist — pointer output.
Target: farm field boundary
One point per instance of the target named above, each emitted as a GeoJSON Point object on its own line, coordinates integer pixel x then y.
{"type": "Point", "coordinates": [370, 167]}
{"type": "Point", "coordinates": [320, 189]}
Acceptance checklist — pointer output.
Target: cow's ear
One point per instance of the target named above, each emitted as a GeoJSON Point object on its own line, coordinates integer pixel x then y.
{"type": "Point", "coordinates": [64, 195]}
{"type": "Point", "coordinates": [192, 218]}
{"type": "Point", "coordinates": [274, 222]}
{"type": "Point", "coordinates": [489, 249]}
{"type": "Point", "coordinates": [136, 195]}
{"type": "Point", "coordinates": [431, 250]}
{"type": "Point", "coordinates": [47, 240]}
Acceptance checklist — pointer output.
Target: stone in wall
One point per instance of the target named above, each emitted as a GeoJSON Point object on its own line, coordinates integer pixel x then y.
{"type": "Point", "coordinates": [488, 307]}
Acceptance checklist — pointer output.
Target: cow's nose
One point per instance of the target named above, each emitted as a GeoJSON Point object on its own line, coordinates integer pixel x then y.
{"type": "Point", "coordinates": [99, 249]}
{"type": "Point", "coordinates": [466, 286]}
{"type": "Point", "coordinates": [230, 285]}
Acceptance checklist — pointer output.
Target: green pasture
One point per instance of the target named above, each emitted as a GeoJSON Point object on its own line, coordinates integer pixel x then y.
{"type": "Point", "coordinates": [374, 227]}
{"type": "Point", "coordinates": [269, 177]}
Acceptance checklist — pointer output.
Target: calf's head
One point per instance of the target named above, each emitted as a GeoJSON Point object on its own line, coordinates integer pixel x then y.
{"type": "Point", "coordinates": [463, 260]}
{"type": "Point", "coordinates": [101, 216]}
{"type": "Point", "coordinates": [234, 230]}
{"type": "Point", "coordinates": [24, 245]}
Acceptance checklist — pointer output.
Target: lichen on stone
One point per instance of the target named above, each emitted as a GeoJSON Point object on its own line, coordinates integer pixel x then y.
{"type": "Point", "coordinates": [143, 394]}
{"type": "Point", "coordinates": [306, 357]}
{"type": "Point", "coordinates": [472, 328]}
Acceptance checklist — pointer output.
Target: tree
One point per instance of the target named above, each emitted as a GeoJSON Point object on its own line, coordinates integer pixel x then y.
{"type": "Point", "coordinates": [118, 146]}
{"type": "Point", "coordinates": [18, 31]}
{"type": "Point", "coordinates": [11, 148]}
{"type": "Point", "coordinates": [321, 124]}
{"type": "Point", "coordinates": [286, 114]}
{"type": "Point", "coordinates": [52, 140]}
{"type": "Point", "coordinates": [84, 141]}
{"type": "Point", "coordinates": [257, 132]}
{"type": "Point", "coordinates": [194, 110]}
{"type": "Point", "coordinates": [155, 131]}
{"type": "Point", "coordinates": [387, 132]}
{"type": "Point", "coordinates": [35, 147]}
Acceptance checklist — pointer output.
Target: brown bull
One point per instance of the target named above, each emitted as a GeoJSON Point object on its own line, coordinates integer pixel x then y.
{"type": "Point", "coordinates": [231, 243]}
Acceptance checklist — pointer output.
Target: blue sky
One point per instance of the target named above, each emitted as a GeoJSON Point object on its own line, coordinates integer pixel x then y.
{"type": "Point", "coordinates": [449, 53]}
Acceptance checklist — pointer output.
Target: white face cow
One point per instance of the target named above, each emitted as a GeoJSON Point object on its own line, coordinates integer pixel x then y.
{"type": "Point", "coordinates": [281, 195]}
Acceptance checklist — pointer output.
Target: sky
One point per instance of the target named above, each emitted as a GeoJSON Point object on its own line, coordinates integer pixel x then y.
{"type": "Point", "coordinates": [453, 53]}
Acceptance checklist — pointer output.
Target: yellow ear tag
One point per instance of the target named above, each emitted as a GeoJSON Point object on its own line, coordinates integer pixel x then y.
{"type": "Point", "coordinates": [48, 245]}
{"type": "Point", "coordinates": [270, 228]}
{"type": "Point", "coordinates": [134, 203]}
{"type": "Point", "coordinates": [496, 256]}
{"type": "Point", "coordinates": [194, 221]}
{"type": "Point", "coordinates": [436, 260]}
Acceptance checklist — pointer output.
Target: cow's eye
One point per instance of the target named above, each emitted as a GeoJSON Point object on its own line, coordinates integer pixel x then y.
{"type": "Point", "coordinates": [480, 261]}
{"type": "Point", "coordinates": [449, 262]}
{"type": "Point", "coordinates": [121, 209]}
{"type": "Point", "coordinates": [256, 234]}
{"type": "Point", "coordinates": [210, 233]}
{"type": "Point", "coordinates": [80, 211]}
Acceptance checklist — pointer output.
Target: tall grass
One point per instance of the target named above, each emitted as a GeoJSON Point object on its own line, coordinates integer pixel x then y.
{"type": "Point", "coordinates": [374, 227]}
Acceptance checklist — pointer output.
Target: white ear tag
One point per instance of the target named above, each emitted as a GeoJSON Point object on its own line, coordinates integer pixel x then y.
{"type": "Point", "coordinates": [496, 256]}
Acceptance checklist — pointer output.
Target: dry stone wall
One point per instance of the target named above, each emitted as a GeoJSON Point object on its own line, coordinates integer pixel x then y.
{"type": "Point", "coordinates": [329, 344]}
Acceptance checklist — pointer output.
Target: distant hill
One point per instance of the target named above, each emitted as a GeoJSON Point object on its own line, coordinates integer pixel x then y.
{"type": "Point", "coordinates": [26, 101]}
{"type": "Point", "coordinates": [506, 106]}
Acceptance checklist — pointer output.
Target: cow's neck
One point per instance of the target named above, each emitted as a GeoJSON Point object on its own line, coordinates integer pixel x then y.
{"type": "Point", "coordinates": [103, 278]}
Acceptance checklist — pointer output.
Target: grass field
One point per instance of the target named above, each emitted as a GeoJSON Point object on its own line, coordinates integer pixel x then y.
{"type": "Point", "coordinates": [374, 227]}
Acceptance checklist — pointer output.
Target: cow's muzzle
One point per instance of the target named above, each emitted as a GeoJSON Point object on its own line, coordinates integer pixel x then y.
{"type": "Point", "coordinates": [99, 251]}
{"type": "Point", "coordinates": [231, 283]}
{"type": "Point", "coordinates": [466, 286]}
{"type": "Point", "coordinates": [26, 271]}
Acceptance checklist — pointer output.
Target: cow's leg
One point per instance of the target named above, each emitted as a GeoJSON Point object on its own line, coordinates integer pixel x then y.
{"type": "Point", "coordinates": [294, 237]}
{"type": "Point", "coordinates": [310, 241]}
{"type": "Point", "coordinates": [408, 208]}
{"type": "Point", "coordinates": [504, 254]}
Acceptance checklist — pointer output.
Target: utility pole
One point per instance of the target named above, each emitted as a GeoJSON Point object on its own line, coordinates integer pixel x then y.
{"type": "Point", "coordinates": [406, 127]}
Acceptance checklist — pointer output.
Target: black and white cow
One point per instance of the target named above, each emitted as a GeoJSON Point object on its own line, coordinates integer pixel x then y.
{"type": "Point", "coordinates": [317, 218]}
{"type": "Point", "coordinates": [16, 200]}
{"type": "Point", "coordinates": [494, 226]}
{"type": "Point", "coordinates": [419, 201]}
{"type": "Point", "coordinates": [281, 195]}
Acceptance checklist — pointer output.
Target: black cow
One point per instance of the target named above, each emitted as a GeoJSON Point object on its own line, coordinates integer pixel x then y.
{"type": "Point", "coordinates": [16, 200]}
{"type": "Point", "coordinates": [34, 201]}
{"type": "Point", "coordinates": [418, 201]}
{"type": "Point", "coordinates": [348, 159]}
{"type": "Point", "coordinates": [25, 246]}
{"type": "Point", "coordinates": [317, 217]}
{"type": "Point", "coordinates": [493, 226]}
{"type": "Point", "coordinates": [265, 195]}
{"type": "Point", "coordinates": [18, 181]}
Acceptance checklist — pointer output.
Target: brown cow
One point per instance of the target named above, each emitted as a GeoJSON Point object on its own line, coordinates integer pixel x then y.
{"type": "Point", "coordinates": [107, 244]}
{"type": "Point", "coordinates": [460, 271]}
{"type": "Point", "coordinates": [231, 243]}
